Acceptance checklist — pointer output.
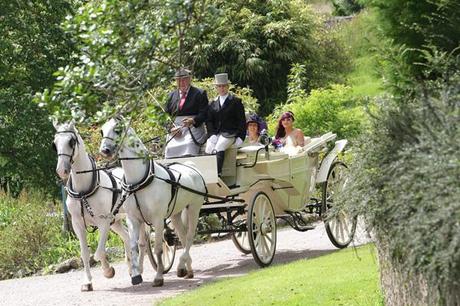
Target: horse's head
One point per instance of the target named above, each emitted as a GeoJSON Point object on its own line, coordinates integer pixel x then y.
{"type": "Point", "coordinates": [111, 132]}
{"type": "Point", "coordinates": [66, 141]}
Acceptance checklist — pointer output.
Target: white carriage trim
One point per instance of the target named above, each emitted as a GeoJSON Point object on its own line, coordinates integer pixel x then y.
{"type": "Point", "coordinates": [329, 159]}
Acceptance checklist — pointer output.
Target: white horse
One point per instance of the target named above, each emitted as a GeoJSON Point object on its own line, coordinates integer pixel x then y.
{"type": "Point", "coordinates": [91, 200]}
{"type": "Point", "coordinates": [160, 192]}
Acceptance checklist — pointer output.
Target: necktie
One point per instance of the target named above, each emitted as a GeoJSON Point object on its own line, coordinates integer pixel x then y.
{"type": "Point", "coordinates": [183, 96]}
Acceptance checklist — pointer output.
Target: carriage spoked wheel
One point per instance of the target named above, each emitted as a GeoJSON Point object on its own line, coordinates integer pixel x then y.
{"type": "Point", "coordinates": [261, 225]}
{"type": "Point", "coordinates": [169, 247]}
{"type": "Point", "coordinates": [241, 241]}
{"type": "Point", "coordinates": [340, 226]}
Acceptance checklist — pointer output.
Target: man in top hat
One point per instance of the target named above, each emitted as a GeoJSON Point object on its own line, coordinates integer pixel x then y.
{"type": "Point", "coordinates": [189, 106]}
{"type": "Point", "coordinates": [226, 122]}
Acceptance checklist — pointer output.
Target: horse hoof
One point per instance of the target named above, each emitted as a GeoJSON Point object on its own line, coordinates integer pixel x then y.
{"type": "Point", "coordinates": [109, 273]}
{"type": "Point", "coordinates": [136, 280]}
{"type": "Point", "coordinates": [181, 272]}
{"type": "Point", "coordinates": [157, 283]}
{"type": "Point", "coordinates": [86, 287]}
{"type": "Point", "coordinates": [189, 275]}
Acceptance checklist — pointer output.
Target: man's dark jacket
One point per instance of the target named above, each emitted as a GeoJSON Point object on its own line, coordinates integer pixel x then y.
{"type": "Point", "coordinates": [196, 105]}
{"type": "Point", "coordinates": [229, 121]}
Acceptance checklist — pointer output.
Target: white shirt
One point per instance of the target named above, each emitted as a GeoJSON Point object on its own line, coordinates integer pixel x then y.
{"type": "Point", "coordinates": [222, 100]}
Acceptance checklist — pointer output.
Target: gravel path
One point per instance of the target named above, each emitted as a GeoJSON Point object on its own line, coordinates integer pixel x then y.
{"type": "Point", "coordinates": [210, 262]}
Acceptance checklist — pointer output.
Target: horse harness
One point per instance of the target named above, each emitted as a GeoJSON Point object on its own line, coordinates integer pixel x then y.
{"type": "Point", "coordinates": [95, 184]}
{"type": "Point", "coordinates": [73, 145]}
{"type": "Point", "coordinates": [149, 176]}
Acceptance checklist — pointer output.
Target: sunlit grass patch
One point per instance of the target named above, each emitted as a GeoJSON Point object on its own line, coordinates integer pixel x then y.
{"type": "Point", "coordinates": [347, 277]}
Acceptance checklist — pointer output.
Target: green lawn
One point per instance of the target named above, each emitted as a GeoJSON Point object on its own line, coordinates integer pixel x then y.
{"type": "Point", "coordinates": [346, 277]}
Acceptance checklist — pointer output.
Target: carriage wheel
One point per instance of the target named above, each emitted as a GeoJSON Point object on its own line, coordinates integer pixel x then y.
{"type": "Point", "coordinates": [341, 227]}
{"type": "Point", "coordinates": [262, 229]}
{"type": "Point", "coordinates": [169, 247]}
{"type": "Point", "coordinates": [241, 241]}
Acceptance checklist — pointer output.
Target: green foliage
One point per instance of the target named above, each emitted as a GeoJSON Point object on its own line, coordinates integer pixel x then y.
{"type": "Point", "coordinates": [346, 7]}
{"type": "Point", "coordinates": [26, 231]}
{"type": "Point", "coordinates": [329, 62]}
{"type": "Point", "coordinates": [405, 178]}
{"type": "Point", "coordinates": [32, 47]}
{"type": "Point", "coordinates": [363, 42]}
{"type": "Point", "coordinates": [120, 50]}
{"type": "Point", "coordinates": [256, 42]}
{"type": "Point", "coordinates": [31, 237]}
{"type": "Point", "coordinates": [26, 157]}
{"type": "Point", "coordinates": [419, 24]}
{"type": "Point", "coordinates": [334, 110]}
{"type": "Point", "coordinates": [125, 50]}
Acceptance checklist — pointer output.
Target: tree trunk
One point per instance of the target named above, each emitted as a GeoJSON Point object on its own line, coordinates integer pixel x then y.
{"type": "Point", "coordinates": [403, 289]}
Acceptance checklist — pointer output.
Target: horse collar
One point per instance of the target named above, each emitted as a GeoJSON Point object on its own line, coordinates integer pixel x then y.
{"type": "Point", "coordinates": [94, 184]}
{"type": "Point", "coordinates": [144, 182]}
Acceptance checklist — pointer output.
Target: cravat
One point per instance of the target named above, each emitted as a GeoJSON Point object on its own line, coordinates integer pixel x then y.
{"type": "Point", "coordinates": [183, 96]}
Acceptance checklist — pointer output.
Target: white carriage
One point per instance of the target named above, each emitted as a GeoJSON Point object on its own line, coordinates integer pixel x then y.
{"type": "Point", "coordinates": [259, 186]}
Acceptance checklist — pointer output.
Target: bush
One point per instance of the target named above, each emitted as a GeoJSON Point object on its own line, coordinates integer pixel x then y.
{"type": "Point", "coordinates": [325, 110]}
{"type": "Point", "coordinates": [405, 182]}
{"type": "Point", "coordinates": [27, 229]}
{"type": "Point", "coordinates": [31, 237]}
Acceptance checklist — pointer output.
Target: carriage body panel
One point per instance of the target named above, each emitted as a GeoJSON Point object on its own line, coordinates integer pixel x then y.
{"type": "Point", "coordinates": [289, 181]}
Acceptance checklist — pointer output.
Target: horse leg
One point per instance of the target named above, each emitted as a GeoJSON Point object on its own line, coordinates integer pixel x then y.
{"type": "Point", "coordinates": [158, 250]}
{"type": "Point", "coordinates": [119, 229]}
{"type": "Point", "coordinates": [181, 232]}
{"type": "Point", "coordinates": [100, 254]}
{"type": "Point", "coordinates": [80, 231]}
{"type": "Point", "coordinates": [193, 212]}
{"type": "Point", "coordinates": [133, 230]}
{"type": "Point", "coordinates": [142, 246]}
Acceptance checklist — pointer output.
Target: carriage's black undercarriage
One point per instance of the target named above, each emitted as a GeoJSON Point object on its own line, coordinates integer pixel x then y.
{"type": "Point", "coordinates": [232, 217]}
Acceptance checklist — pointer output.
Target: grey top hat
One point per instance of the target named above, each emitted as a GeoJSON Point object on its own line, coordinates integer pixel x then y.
{"type": "Point", "coordinates": [221, 79]}
{"type": "Point", "coordinates": [182, 73]}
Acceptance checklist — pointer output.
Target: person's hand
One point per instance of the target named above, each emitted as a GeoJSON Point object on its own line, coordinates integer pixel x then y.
{"type": "Point", "coordinates": [175, 131]}
{"type": "Point", "coordinates": [187, 122]}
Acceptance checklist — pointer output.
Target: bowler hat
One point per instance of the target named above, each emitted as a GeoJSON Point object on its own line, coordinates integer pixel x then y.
{"type": "Point", "coordinates": [221, 79]}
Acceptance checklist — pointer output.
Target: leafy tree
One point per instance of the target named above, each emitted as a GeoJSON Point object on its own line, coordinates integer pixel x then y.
{"type": "Point", "coordinates": [32, 46]}
{"type": "Point", "coordinates": [126, 48]}
{"type": "Point", "coordinates": [419, 25]}
{"type": "Point", "coordinates": [123, 48]}
{"type": "Point", "coordinates": [257, 42]}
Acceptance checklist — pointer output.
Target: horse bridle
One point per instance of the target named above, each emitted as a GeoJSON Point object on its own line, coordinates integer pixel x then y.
{"type": "Point", "coordinates": [75, 139]}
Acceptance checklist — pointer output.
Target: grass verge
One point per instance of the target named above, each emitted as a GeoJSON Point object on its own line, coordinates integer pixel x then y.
{"type": "Point", "coordinates": [346, 277]}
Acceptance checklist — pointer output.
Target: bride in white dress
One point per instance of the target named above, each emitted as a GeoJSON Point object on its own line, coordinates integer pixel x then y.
{"type": "Point", "coordinates": [288, 139]}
